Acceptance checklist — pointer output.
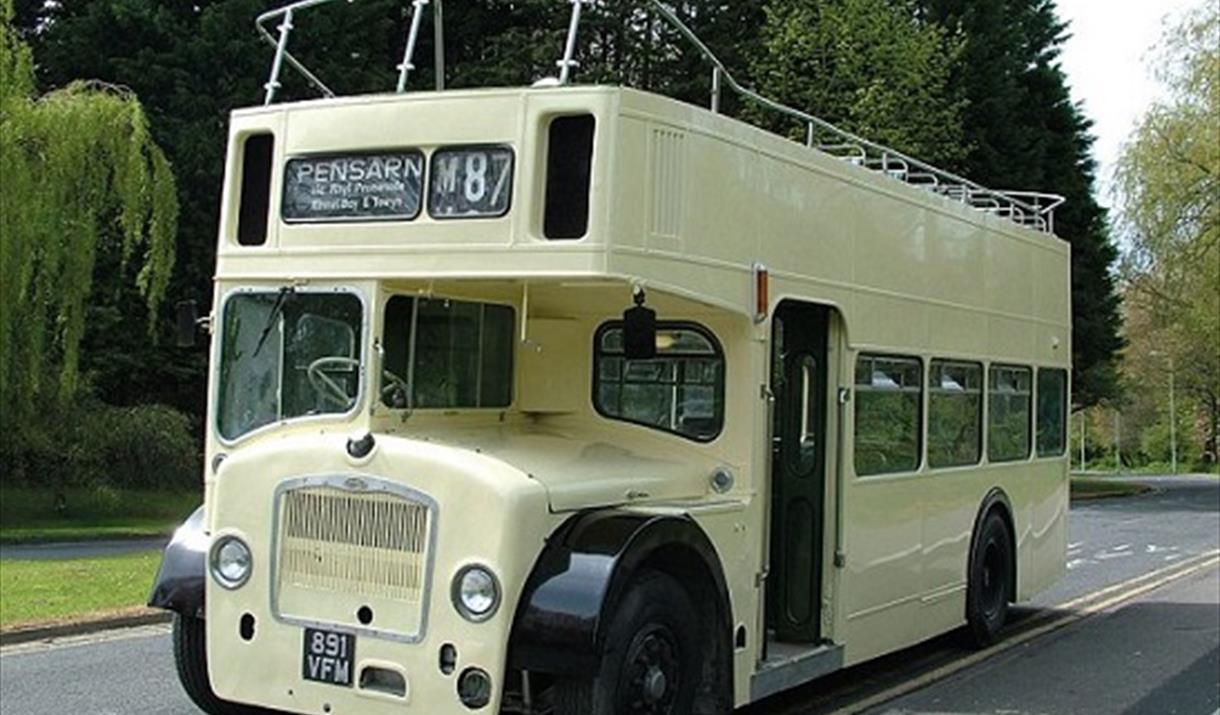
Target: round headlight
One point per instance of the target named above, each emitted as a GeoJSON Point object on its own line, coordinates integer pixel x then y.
{"type": "Point", "coordinates": [476, 593]}
{"type": "Point", "coordinates": [231, 561]}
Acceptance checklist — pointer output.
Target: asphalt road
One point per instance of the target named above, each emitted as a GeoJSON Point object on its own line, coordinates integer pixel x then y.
{"type": "Point", "coordinates": [1156, 655]}
{"type": "Point", "coordinates": [1159, 645]}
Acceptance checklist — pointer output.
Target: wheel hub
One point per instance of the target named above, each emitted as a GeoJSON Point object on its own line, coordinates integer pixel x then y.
{"type": "Point", "coordinates": [654, 684]}
{"type": "Point", "coordinates": [650, 678]}
{"type": "Point", "coordinates": [993, 588]}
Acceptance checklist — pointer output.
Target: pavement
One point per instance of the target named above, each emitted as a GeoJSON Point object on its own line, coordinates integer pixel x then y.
{"type": "Point", "coordinates": [81, 549]}
{"type": "Point", "coordinates": [1152, 651]}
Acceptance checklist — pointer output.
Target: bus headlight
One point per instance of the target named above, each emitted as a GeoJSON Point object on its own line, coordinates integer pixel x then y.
{"type": "Point", "coordinates": [476, 593]}
{"type": "Point", "coordinates": [231, 562]}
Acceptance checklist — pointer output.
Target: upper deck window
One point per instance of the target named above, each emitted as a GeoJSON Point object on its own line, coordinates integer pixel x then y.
{"type": "Point", "coordinates": [681, 390]}
{"type": "Point", "coordinates": [286, 354]}
{"type": "Point", "coordinates": [447, 354]}
{"type": "Point", "coordinates": [569, 170]}
{"type": "Point", "coordinates": [258, 151]}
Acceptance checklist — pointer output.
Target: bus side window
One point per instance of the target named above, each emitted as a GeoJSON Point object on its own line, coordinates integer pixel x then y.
{"type": "Point", "coordinates": [1008, 418]}
{"type": "Point", "coordinates": [888, 399]}
{"type": "Point", "coordinates": [955, 413]}
{"type": "Point", "coordinates": [1052, 412]}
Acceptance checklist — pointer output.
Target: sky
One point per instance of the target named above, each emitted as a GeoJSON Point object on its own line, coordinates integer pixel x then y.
{"type": "Point", "coordinates": [1108, 65]}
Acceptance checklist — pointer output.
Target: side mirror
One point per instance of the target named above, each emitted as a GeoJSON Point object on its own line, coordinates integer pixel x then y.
{"type": "Point", "coordinates": [187, 323]}
{"type": "Point", "coordinates": [639, 332]}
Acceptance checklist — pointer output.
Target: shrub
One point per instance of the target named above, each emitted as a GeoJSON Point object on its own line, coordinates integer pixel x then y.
{"type": "Point", "coordinates": [91, 444]}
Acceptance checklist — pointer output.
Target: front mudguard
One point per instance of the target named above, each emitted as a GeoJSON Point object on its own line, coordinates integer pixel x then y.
{"type": "Point", "coordinates": [582, 573]}
{"type": "Point", "coordinates": [179, 585]}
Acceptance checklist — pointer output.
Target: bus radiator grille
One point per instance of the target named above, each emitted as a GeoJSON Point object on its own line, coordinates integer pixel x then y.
{"type": "Point", "coordinates": [363, 544]}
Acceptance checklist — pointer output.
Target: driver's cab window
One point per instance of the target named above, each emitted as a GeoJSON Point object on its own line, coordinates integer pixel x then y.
{"type": "Point", "coordinates": [447, 354]}
{"type": "Point", "coordinates": [287, 354]}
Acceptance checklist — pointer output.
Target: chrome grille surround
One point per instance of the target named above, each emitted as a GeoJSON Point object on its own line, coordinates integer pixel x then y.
{"type": "Point", "coordinates": [353, 535]}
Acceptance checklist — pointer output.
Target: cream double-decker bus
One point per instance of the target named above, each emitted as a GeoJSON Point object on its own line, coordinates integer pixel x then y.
{"type": "Point", "coordinates": [579, 399]}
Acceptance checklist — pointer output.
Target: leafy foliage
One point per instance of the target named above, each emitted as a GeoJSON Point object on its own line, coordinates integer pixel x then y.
{"type": "Point", "coordinates": [870, 66]}
{"type": "Point", "coordinates": [92, 444]}
{"type": "Point", "coordinates": [1169, 177]}
{"type": "Point", "coordinates": [74, 161]}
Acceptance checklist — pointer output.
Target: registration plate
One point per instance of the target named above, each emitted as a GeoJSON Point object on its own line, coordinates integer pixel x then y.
{"type": "Point", "coordinates": [328, 656]}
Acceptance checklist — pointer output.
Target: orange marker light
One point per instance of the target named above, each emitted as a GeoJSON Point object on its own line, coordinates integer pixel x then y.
{"type": "Point", "coordinates": [761, 292]}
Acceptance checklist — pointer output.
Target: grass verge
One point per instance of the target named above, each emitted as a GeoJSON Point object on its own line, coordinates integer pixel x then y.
{"type": "Point", "coordinates": [1100, 487]}
{"type": "Point", "coordinates": [84, 514]}
{"type": "Point", "coordinates": [40, 591]}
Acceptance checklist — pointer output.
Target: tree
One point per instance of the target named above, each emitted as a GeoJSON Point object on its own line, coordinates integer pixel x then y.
{"type": "Point", "coordinates": [1169, 179]}
{"type": "Point", "coordinates": [1022, 131]}
{"type": "Point", "coordinates": [869, 66]}
{"type": "Point", "coordinates": [192, 63]}
{"type": "Point", "coordinates": [74, 162]}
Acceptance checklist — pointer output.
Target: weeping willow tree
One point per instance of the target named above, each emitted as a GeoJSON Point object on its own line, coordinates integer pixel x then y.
{"type": "Point", "coordinates": [79, 174]}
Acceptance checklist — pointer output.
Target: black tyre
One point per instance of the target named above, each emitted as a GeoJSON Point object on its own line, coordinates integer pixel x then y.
{"type": "Point", "coordinates": [650, 665]}
{"type": "Point", "coordinates": [191, 658]}
{"type": "Point", "coordinates": [990, 580]}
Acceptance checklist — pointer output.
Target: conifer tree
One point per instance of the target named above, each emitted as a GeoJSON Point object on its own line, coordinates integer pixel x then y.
{"type": "Point", "coordinates": [1023, 131]}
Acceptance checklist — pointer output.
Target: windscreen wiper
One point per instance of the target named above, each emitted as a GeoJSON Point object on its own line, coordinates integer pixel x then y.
{"type": "Point", "coordinates": [276, 310]}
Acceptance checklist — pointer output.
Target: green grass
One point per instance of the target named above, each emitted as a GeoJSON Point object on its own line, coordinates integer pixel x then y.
{"type": "Point", "coordinates": [1097, 487]}
{"type": "Point", "coordinates": [35, 591]}
{"type": "Point", "coordinates": [85, 514]}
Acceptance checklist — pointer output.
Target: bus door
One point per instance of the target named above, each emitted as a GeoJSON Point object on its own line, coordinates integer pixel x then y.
{"type": "Point", "coordinates": [798, 471]}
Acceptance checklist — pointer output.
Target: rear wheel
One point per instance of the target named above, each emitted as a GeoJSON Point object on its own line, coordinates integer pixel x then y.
{"type": "Point", "coordinates": [990, 581]}
{"type": "Point", "coordinates": [191, 658]}
{"type": "Point", "coordinates": [651, 662]}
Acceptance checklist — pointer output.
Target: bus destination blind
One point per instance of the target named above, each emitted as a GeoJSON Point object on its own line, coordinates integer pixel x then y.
{"type": "Point", "coordinates": [359, 187]}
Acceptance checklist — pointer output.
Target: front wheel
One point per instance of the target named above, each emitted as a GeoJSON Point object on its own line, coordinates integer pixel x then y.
{"type": "Point", "coordinates": [990, 581]}
{"type": "Point", "coordinates": [191, 658]}
{"type": "Point", "coordinates": [650, 665]}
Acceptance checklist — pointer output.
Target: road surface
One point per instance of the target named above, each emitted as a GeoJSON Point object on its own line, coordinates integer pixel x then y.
{"type": "Point", "coordinates": [1112, 541]}
{"type": "Point", "coordinates": [1156, 655]}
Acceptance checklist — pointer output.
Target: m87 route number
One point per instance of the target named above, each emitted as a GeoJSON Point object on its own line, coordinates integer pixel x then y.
{"type": "Point", "coordinates": [470, 182]}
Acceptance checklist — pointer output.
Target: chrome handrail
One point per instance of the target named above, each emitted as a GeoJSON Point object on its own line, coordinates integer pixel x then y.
{"type": "Point", "coordinates": [1024, 207]}
{"type": "Point", "coordinates": [281, 47]}
{"type": "Point", "coordinates": [282, 55]}
{"type": "Point", "coordinates": [1027, 208]}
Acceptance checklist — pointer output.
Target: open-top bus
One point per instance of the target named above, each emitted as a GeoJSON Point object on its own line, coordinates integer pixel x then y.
{"type": "Point", "coordinates": [579, 399]}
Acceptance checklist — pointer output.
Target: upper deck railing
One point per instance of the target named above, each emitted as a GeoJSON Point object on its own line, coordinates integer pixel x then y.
{"type": "Point", "coordinates": [1027, 208]}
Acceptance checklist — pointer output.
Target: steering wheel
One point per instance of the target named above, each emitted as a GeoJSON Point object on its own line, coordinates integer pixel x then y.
{"type": "Point", "coordinates": [325, 385]}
